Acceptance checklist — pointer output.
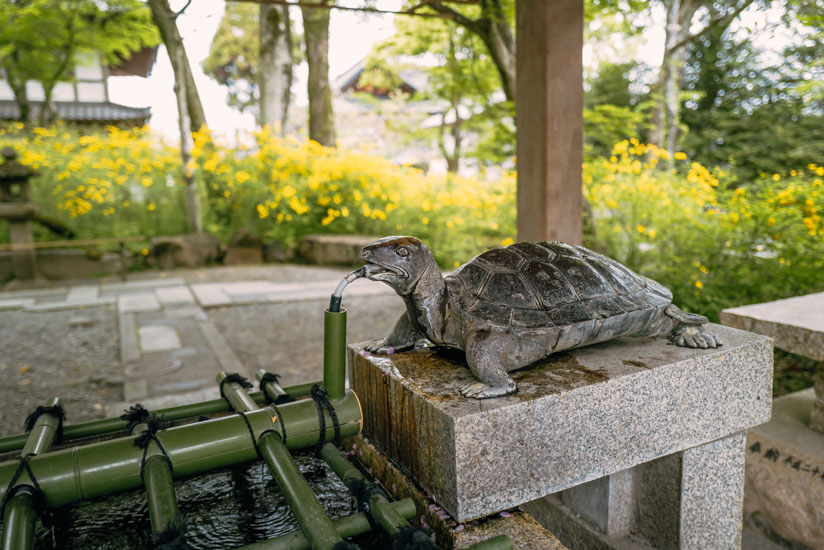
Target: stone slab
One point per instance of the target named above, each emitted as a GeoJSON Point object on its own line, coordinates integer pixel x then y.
{"type": "Point", "coordinates": [226, 358]}
{"type": "Point", "coordinates": [16, 303]}
{"type": "Point", "coordinates": [158, 338]}
{"type": "Point", "coordinates": [83, 293]}
{"type": "Point", "coordinates": [58, 306]}
{"type": "Point", "coordinates": [785, 472]}
{"type": "Point", "coordinates": [524, 532]}
{"type": "Point", "coordinates": [578, 416]}
{"type": "Point", "coordinates": [211, 295]}
{"type": "Point", "coordinates": [133, 303]}
{"type": "Point", "coordinates": [333, 249]}
{"type": "Point", "coordinates": [138, 286]}
{"type": "Point", "coordinates": [127, 330]}
{"type": "Point", "coordinates": [795, 324]}
{"type": "Point", "coordinates": [174, 296]}
{"type": "Point", "coordinates": [687, 500]}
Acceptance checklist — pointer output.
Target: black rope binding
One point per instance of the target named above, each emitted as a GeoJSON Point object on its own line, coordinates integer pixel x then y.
{"type": "Point", "coordinates": [38, 497]}
{"type": "Point", "coordinates": [55, 410]}
{"type": "Point", "coordinates": [362, 491]}
{"type": "Point", "coordinates": [171, 539]}
{"type": "Point", "coordinates": [234, 377]}
{"type": "Point", "coordinates": [134, 415]}
{"type": "Point", "coordinates": [154, 424]}
{"type": "Point", "coordinates": [281, 399]}
{"type": "Point", "coordinates": [275, 378]}
{"type": "Point", "coordinates": [319, 394]}
{"type": "Point", "coordinates": [412, 538]}
{"type": "Point", "coordinates": [252, 433]}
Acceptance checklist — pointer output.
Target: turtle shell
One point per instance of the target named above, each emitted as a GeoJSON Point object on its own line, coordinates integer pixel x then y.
{"type": "Point", "coordinates": [548, 284]}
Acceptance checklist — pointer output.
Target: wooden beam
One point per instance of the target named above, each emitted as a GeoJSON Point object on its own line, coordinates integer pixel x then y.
{"type": "Point", "coordinates": [549, 111]}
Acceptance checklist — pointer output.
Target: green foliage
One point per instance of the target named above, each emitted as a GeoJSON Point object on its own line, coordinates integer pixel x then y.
{"type": "Point", "coordinates": [110, 184]}
{"type": "Point", "coordinates": [233, 55]}
{"type": "Point", "coordinates": [714, 246]}
{"type": "Point", "coordinates": [748, 118]}
{"type": "Point", "coordinates": [42, 39]}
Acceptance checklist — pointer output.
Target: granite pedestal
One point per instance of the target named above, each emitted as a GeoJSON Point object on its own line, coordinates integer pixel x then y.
{"type": "Point", "coordinates": [663, 424]}
{"type": "Point", "coordinates": [796, 325]}
{"type": "Point", "coordinates": [784, 490]}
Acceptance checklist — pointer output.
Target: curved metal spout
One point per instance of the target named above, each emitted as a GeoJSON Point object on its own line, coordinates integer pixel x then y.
{"type": "Point", "coordinates": [334, 302]}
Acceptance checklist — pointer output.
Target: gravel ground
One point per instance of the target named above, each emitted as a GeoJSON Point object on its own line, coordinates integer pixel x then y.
{"type": "Point", "coordinates": [60, 353]}
{"type": "Point", "coordinates": [287, 338]}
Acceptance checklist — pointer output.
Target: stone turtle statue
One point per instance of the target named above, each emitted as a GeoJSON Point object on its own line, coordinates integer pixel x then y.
{"type": "Point", "coordinates": [509, 307]}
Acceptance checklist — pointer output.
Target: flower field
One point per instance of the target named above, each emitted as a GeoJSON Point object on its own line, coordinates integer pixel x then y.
{"type": "Point", "coordinates": [715, 242]}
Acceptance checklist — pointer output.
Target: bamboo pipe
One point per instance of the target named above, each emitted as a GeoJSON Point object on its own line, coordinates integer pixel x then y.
{"type": "Point", "coordinates": [110, 425]}
{"type": "Point", "coordinates": [347, 526]}
{"type": "Point", "coordinates": [20, 515]}
{"type": "Point", "coordinates": [315, 524]}
{"type": "Point", "coordinates": [379, 507]}
{"type": "Point", "coordinates": [106, 467]}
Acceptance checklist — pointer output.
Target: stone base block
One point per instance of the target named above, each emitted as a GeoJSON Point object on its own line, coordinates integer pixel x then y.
{"type": "Point", "coordinates": [333, 249]}
{"type": "Point", "coordinates": [524, 532]}
{"type": "Point", "coordinates": [687, 500]}
{"type": "Point", "coordinates": [577, 416]}
{"type": "Point", "coordinates": [785, 472]}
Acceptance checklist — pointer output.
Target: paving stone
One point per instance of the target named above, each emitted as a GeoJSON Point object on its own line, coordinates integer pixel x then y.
{"type": "Point", "coordinates": [174, 296]}
{"type": "Point", "coordinates": [211, 295]}
{"type": "Point", "coordinates": [132, 303]}
{"type": "Point", "coordinates": [137, 286]}
{"type": "Point", "coordinates": [81, 294]}
{"type": "Point", "coordinates": [16, 303]}
{"type": "Point", "coordinates": [158, 338]}
{"type": "Point", "coordinates": [127, 329]}
{"type": "Point", "coordinates": [220, 349]}
{"type": "Point", "coordinates": [582, 414]}
{"type": "Point", "coordinates": [166, 401]}
{"type": "Point", "coordinates": [57, 306]}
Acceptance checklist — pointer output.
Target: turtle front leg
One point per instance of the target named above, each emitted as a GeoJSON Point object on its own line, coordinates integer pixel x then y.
{"type": "Point", "coordinates": [402, 337]}
{"type": "Point", "coordinates": [489, 356]}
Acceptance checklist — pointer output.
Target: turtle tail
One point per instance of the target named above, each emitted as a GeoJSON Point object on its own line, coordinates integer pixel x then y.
{"type": "Point", "coordinates": [684, 318]}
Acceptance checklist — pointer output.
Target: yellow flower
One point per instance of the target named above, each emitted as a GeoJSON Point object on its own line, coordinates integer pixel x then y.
{"type": "Point", "coordinates": [771, 221]}
{"type": "Point", "coordinates": [145, 251]}
{"type": "Point", "coordinates": [263, 212]}
{"type": "Point", "coordinates": [151, 206]}
{"type": "Point", "coordinates": [819, 171]}
{"type": "Point", "coordinates": [776, 177]}
{"type": "Point", "coordinates": [508, 241]}
{"type": "Point", "coordinates": [146, 181]}
{"type": "Point", "coordinates": [242, 176]}
{"type": "Point", "coordinates": [640, 228]}
{"type": "Point", "coordinates": [680, 156]}
{"type": "Point", "coordinates": [699, 284]}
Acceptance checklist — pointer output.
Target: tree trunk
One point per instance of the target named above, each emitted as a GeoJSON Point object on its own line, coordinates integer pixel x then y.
{"type": "Point", "coordinates": [193, 216]}
{"type": "Point", "coordinates": [665, 118]}
{"type": "Point", "coordinates": [275, 67]}
{"type": "Point", "coordinates": [316, 36]}
{"type": "Point", "coordinates": [494, 30]}
{"type": "Point", "coordinates": [164, 18]}
{"type": "Point", "coordinates": [21, 97]}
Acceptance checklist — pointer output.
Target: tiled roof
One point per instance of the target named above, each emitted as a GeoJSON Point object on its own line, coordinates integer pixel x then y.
{"type": "Point", "coordinates": [78, 111]}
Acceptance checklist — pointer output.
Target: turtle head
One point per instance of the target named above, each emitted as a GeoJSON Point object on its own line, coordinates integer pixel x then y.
{"type": "Point", "coordinates": [397, 261]}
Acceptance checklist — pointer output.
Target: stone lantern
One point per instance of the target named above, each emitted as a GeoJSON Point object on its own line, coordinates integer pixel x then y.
{"type": "Point", "coordinates": [16, 206]}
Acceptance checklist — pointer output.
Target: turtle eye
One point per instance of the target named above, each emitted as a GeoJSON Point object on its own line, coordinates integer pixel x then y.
{"type": "Point", "coordinates": [402, 251]}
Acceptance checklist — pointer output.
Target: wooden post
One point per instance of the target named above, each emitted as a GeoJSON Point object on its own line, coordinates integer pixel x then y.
{"type": "Point", "coordinates": [549, 110]}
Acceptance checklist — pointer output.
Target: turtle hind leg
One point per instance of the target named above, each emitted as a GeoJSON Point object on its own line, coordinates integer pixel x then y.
{"type": "Point", "coordinates": [688, 330]}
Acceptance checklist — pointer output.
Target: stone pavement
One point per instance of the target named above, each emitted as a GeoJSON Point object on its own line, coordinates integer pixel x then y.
{"type": "Point", "coordinates": [170, 343]}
